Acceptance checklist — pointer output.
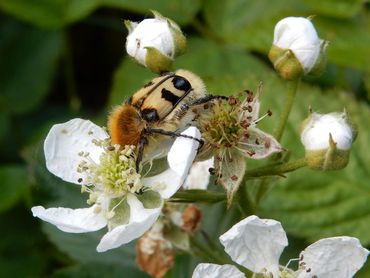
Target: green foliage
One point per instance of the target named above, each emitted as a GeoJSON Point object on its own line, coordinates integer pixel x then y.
{"type": "Point", "coordinates": [29, 57]}
{"type": "Point", "coordinates": [49, 49]}
{"type": "Point", "coordinates": [14, 185]}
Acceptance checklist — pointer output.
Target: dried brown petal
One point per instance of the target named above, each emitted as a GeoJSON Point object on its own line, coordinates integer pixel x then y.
{"type": "Point", "coordinates": [154, 254]}
{"type": "Point", "coordinates": [191, 218]}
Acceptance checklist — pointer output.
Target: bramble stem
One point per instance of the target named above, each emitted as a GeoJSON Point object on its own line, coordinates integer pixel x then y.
{"type": "Point", "coordinates": [273, 170]}
{"type": "Point", "coordinates": [292, 91]}
{"type": "Point", "coordinates": [196, 195]}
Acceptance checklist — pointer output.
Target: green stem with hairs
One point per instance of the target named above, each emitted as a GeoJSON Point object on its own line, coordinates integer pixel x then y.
{"type": "Point", "coordinates": [196, 195]}
{"type": "Point", "coordinates": [273, 170]}
{"type": "Point", "coordinates": [278, 134]}
{"type": "Point", "coordinates": [292, 91]}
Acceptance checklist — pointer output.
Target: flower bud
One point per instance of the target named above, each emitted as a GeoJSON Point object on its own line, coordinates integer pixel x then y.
{"type": "Point", "coordinates": [327, 140]}
{"type": "Point", "coordinates": [155, 42]}
{"type": "Point", "coordinates": [296, 49]}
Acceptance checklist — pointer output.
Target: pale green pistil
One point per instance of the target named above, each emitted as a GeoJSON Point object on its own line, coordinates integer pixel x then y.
{"type": "Point", "coordinates": [114, 175]}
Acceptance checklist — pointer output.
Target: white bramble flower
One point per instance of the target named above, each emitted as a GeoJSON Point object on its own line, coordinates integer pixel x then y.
{"type": "Point", "coordinates": [327, 139]}
{"type": "Point", "coordinates": [79, 152]}
{"type": "Point", "coordinates": [258, 243]}
{"type": "Point", "coordinates": [297, 50]}
{"type": "Point", "coordinates": [155, 42]}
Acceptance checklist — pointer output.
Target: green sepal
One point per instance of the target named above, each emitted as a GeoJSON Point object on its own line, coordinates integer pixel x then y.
{"type": "Point", "coordinates": [121, 212]}
{"type": "Point", "coordinates": [156, 61]}
{"type": "Point", "coordinates": [321, 61]}
{"type": "Point", "coordinates": [179, 40]}
{"type": "Point", "coordinates": [130, 25]}
{"type": "Point", "coordinates": [285, 63]}
{"type": "Point", "coordinates": [150, 199]}
{"type": "Point", "coordinates": [328, 159]}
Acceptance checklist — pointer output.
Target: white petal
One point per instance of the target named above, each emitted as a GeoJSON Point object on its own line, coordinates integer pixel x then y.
{"type": "Point", "coordinates": [299, 35]}
{"type": "Point", "coordinates": [199, 175]}
{"type": "Point", "coordinates": [180, 158]}
{"type": "Point", "coordinates": [165, 183]}
{"type": "Point", "coordinates": [141, 220]}
{"type": "Point", "coordinates": [183, 151]}
{"type": "Point", "coordinates": [72, 220]}
{"type": "Point", "coordinates": [256, 244]}
{"type": "Point", "coordinates": [217, 271]}
{"type": "Point", "coordinates": [65, 141]}
{"type": "Point", "coordinates": [335, 257]}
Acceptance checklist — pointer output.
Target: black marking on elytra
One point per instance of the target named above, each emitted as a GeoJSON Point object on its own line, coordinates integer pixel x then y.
{"type": "Point", "coordinates": [150, 83]}
{"type": "Point", "coordinates": [181, 83]}
{"type": "Point", "coordinates": [169, 96]}
{"type": "Point", "coordinates": [150, 114]}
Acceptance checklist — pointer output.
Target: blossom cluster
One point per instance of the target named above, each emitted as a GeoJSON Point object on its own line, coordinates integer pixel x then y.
{"type": "Point", "coordinates": [130, 203]}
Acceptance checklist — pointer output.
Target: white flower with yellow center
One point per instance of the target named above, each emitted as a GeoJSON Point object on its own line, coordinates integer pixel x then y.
{"type": "Point", "coordinates": [79, 152]}
{"type": "Point", "coordinates": [258, 243]}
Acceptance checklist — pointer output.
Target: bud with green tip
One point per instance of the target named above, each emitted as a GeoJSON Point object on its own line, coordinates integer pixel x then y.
{"type": "Point", "coordinates": [296, 49]}
{"type": "Point", "coordinates": [327, 139]}
{"type": "Point", "coordinates": [155, 42]}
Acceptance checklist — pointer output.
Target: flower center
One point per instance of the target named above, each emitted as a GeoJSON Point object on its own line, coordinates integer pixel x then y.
{"type": "Point", "coordinates": [221, 126]}
{"type": "Point", "coordinates": [114, 175]}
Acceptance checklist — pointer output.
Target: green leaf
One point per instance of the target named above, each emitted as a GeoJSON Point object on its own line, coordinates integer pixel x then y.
{"type": "Point", "coordinates": [227, 17]}
{"type": "Point", "coordinates": [82, 247]}
{"type": "Point", "coordinates": [98, 270]}
{"type": "Point", "coordinates": [180, 11]}
{"type": "Point", "coordinates": [14, 184]}
{"type": "Point", "coordinates": [50, 14]}
{"type": "Point", "coordinates": [28, 63]}
{"type": "Point", "coordinates": [128, 78]}
{"type": "Point", "coordinates": [215, 63]}
{"type": "Point", "coordinates": [335, 8]}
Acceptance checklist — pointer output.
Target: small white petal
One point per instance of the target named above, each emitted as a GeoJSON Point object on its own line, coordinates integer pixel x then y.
{"type": "Point", "coordinates": [199, 175]}
{"type": "Point", "coordinates": [141, 220]}
{"type": "Point", "coordinates": [316, 132]}
{"type": "Point", "coordinates": [180, 158]}
{"type": "Point", "coordinates": [335, 257]}
{"type": "Point", "coordinates": [299, 35]}
{"type": "Point", "coordinates": [183, 151]}
{"type": "Point", "coordinates": [256, 244]}
{"type": "Point", "coordinates": [72, 220]}
{"type": "Point", "coordinates": [217, 271]}
{"type": "Point", "coordinates": [150, 32]}
{"type": "Point", "coordinates": [65, 141]}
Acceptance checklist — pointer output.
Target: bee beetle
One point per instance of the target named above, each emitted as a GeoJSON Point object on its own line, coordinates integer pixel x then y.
{"type": "Point", "coordinates": [158, 111]}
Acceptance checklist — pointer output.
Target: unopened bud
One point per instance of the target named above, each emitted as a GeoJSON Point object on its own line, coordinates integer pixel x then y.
{"type": "Point", "coordinates": [155, 42]}
{"type": "Point", "coordinates": [327, 140]}
{"type": "Point", "coordinates": [296, 49]}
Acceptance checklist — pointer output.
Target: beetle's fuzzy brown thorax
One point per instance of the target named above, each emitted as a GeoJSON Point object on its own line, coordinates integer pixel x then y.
{"type": "Point", "coordinates": [125, 125]}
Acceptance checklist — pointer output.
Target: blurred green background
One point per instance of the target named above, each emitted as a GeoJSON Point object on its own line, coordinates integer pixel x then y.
{"type": "Point", "coordinates": [61, 59]}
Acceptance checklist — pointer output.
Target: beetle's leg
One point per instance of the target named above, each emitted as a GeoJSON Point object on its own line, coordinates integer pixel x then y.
{"type": "Point", "coordinates": [143, 141]}
{"type": "Point", "coordinates": [205, 100]}
{"type": "Point", "coordinates": [173, 134]}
